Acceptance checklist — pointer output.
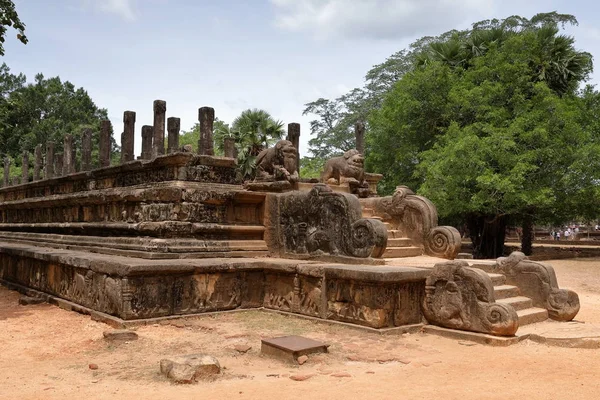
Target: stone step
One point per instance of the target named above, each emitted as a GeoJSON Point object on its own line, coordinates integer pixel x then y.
{"type": "Point", "coordinates": [532, 315]}
{"type": "Point", "coordinates": [518, 302]}
{"type": "Point", "coordinates": [388, 226]}
{"type": "Point", "coordinates": [394, 234]}
{"type": "Point", "coordinates": [399, 242]}
{"type": "Point", "coordinates": [399, 252]}
{"type": "Point", "coordinates": [367, 212]}
{"type": "Point", "coordinates": [506, 291]}
{"type": "Point", "coordinates": [497, 279]}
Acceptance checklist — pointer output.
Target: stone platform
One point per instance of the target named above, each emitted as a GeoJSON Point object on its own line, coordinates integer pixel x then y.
{"type": "Point", "coordinates": [136, 289]}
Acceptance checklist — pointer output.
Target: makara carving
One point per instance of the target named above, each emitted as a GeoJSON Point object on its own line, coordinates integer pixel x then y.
{"type": "Point", "coordinates": [460, 297]}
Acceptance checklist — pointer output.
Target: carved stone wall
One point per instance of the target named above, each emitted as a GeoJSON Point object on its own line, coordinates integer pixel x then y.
{"type": "Point", "coordinates": [131, 289]}
{"type": "Point", "coordinates": [322, 222]}
{"type": "Point", "coordinates": [538, 282]}
{"type": "Point", "coordinates": [460, 297]}
{"type": "Point", "coordinates": [416, 218]}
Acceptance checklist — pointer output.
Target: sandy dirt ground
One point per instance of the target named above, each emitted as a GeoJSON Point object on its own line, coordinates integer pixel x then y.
{"type": "Point", "coordinates": [45, 353]}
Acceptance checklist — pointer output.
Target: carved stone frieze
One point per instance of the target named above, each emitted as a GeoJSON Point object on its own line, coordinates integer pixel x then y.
{"type": "Point", "coordinates": [460, 297]}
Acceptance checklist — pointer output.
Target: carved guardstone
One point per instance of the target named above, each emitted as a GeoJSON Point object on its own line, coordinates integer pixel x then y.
{"type": "Point", "coordinates": [538, 282]}
{"type": "Point", "coordinates": [459, 297]}
{"type": "Point", "coordinates": [323, 222]}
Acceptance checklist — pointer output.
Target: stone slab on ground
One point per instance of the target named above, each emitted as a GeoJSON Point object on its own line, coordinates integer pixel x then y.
{"type": "Point", "coordinates": [190, 368]}
{"type": "Point", "coordinates": [572, 334]}
{"type": "Point", "coordinates": [289, 348]}
{"type": "Point", "coordinates": [120, 334]}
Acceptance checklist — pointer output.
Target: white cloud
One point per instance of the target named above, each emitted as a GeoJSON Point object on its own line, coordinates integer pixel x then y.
{"type": "Point", "coordinates": [379, 19]}
{"type": "Point", "coordinates": [121, 8]}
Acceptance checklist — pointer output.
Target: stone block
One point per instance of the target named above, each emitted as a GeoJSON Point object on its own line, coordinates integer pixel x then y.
{"type": "Point", "coordinates": [190, 368]}
{"type": "Point", "coordinates": [120, 335]}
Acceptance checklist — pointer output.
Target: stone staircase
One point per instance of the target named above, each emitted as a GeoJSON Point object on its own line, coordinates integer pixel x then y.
{"type": "Point", "coordinates": [398, 246]}
{"type": "Point", "coordinates": [511, 295]}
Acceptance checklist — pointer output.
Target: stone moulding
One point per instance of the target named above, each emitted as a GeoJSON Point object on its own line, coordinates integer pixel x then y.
{"type": "Point", "coordinates": [322, 222]}
{"type": "Point", "coordinates": [134, 289]}
{"type": "Point", "coordinates": [459, 297]}
{"type": "Point", "coordinates": [416, 218]}
{"type": "Point", "coordinates": [538, 282]}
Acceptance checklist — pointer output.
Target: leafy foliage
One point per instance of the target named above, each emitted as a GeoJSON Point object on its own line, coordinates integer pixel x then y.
{"type": "Point", "coordinates": [10, 18]}
{"type": "Point", "coordinates": [45, 110]}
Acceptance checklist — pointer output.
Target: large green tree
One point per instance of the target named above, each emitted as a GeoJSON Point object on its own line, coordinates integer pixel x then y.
{"type": "Point", "coordinates": [44, 110]}
{"type": "Point", "coordinates": [489, 126]}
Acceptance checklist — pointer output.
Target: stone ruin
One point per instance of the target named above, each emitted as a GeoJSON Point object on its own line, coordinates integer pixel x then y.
{"type": "Point", "coordinates": [173, 233]}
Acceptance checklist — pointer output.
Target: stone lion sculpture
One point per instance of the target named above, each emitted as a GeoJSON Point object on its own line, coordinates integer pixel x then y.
{"type": "Point", "coordinates": [278, 163]}
{"type": "Point", "coordinates": [345, 169]}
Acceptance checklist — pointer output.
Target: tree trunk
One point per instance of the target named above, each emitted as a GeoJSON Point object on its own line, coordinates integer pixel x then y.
{"type": "Point", "coordinates": [487, 235]}
{"type": "Point", "coordinates": [527, 237]}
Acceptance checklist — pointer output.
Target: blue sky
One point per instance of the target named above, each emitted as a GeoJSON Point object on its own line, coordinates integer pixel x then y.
{"type": "Point", "coordinates": [235, 54]}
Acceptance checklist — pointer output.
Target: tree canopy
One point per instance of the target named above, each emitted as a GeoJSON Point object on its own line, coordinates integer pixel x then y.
{"type": "Point", "coordinates": [41, 111]}
{"type": "Point", "coordinates": [489, 123]}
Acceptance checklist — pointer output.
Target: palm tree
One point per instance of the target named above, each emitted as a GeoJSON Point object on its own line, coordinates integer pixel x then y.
{"type": "Point", "coordinates": [254, 130]}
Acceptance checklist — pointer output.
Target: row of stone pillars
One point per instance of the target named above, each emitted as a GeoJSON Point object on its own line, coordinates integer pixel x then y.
{"type": "Point", "coordinates": [153, 139]}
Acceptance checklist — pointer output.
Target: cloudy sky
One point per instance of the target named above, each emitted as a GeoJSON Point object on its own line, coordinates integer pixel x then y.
{"type": "Point", "coordinates": [239, 54]}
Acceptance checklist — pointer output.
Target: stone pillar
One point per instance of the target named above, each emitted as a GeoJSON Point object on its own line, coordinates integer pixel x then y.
{"type": "Point", "coordinates": [68, 164]}
{"type": "Point", "coordinates": [49, 171]}
{"type": "Point", "coordinates": [359, 132]}
{"type": "Point", "coordinates": [128, 137]}
{"type": "Point", "coordinates": [15, 180]}
{"type": "Point", "coordinates": [229, 147]}
{"type": "Point", "coordinates": [104, 144]}
{"type": "Point", "coordinates": [6, 172]}
{"type": "Point", "coordinates": [39, 163]}
{"type": "Point", "coordinates": [206, 116]}
{"type": "Point", "coordinates": [173, 126]}
{"type": "Point", "coordinates": [294, 137]}
{"type": "Point", "coordinates": [58, 164]}
{"type": "Point", "coordinates": [86, 150]}
{"type": "Point", "coordinates": [25, 167]}
{"type": "Point", "coordinates": [160, 109]}
{"type": "Point", "coordinates": [147, 138]}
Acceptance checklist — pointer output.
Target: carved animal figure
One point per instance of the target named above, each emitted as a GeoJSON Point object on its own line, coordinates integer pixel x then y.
{"type": "Point", "coordinates": [278, 163]}
{"type": "Point", "coordinates": [349, 168]}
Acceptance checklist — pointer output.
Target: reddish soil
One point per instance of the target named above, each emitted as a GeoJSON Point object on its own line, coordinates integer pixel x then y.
{"type": "Point", "coordinates": [46, 352]}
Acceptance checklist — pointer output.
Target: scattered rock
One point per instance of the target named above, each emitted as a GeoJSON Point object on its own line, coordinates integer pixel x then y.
{"type": "Point", "coordinates": [341, 375]}
{"type": "Point", "coordinates": [405, 362]}
{"type": "Point", "coordinates": [301, 377]}
{"type": "Point", "coordinates": [190, 368]}
{"type": "Point", "coordinates": [93, 366]}
{"type": "Point", "coordinates": [120, 334]}
{"type": "Point", "coordinates": [242, 348]}
{"type": "Point", "coordinates": [272, 375]}
{"type": "Point", "coordinates": [178, 324]}
{"type": "Point", "coordinates": [370, 372]}
{"type": "Point", "coordinates": [354, 358]}
{"type": "Point", "coordinates": [26, 300]}
{"type": "Point", "coordinates": [467, 343]}
{"type": "Point", "coordinates": [302, 359]}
